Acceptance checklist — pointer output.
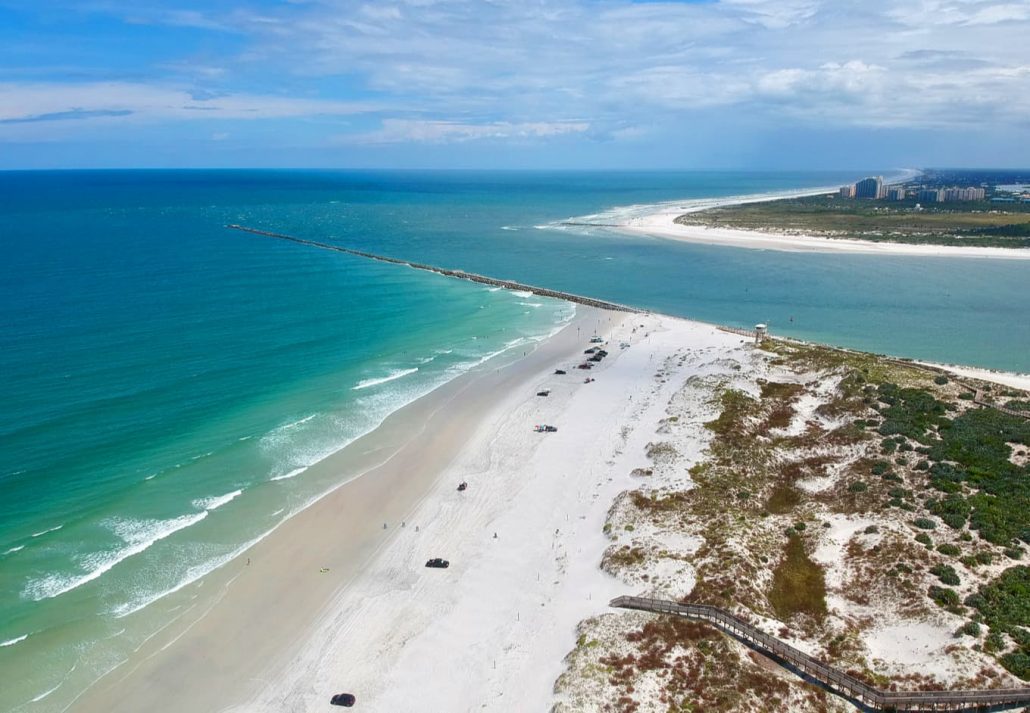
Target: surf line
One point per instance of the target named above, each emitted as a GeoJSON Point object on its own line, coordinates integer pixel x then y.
{"type": "Point", "coordinates": [459, 274]}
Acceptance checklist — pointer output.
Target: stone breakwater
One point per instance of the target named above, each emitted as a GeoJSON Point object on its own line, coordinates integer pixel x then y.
{"type": "Point", "coordinates": [460, 274]}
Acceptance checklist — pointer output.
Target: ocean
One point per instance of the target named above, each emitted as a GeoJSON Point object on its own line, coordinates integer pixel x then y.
{"type": "Point", "coordinates": [167, 382]}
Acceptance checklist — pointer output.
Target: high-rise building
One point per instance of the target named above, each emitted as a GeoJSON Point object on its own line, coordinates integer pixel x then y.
{"type": "Point", "coordinates": [930, 195]}
{"type": "Point", "coordinates": [847, 191]}
{"type": "Point", "coordinates": [896, 193]}
{"type": "Point", "coordinates": [871, 187]}
{"type": "Point", "coordinates": [963, 194]}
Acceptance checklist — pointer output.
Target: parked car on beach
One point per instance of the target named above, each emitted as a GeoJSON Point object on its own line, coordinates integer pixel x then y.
{"type": "Point", "coordinates": [343, 699]}
{"type": "Point", "coordinates": [437, 563]}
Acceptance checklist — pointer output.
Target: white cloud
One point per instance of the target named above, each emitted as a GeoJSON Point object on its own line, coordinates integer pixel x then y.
{"type": "Point", "coordinates": [38, 101]}
{"type": "Point", "coordinates": [406, 130]}
{"type": "Point", "coordinates": [522, 67]}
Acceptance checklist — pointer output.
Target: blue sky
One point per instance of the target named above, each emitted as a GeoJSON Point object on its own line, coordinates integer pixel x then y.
{"type": "Point", "coordinates": [762, 84]}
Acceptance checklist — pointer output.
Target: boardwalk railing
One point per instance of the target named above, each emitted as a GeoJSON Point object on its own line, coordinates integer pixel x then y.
{"type": "Point", "coordinates": [831, 678]}
{"type": "Point", "coordinates": [750, 333]}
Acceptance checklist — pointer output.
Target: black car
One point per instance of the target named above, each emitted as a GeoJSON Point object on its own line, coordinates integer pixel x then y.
{"type": "Point", "coordinates": [438, 563]}
{"type": "Point", "coordinates": [546, 392]}
{"type": "Point", "coordinates": [343, 699]}
{"type": "Point", "coordinates": [591, 350]}
{"type": "Point", "coordinates": [559, 371]}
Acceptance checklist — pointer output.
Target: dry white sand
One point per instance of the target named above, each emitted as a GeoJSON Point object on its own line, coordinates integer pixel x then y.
{"type": "Point", "coordinates": [490, 632]}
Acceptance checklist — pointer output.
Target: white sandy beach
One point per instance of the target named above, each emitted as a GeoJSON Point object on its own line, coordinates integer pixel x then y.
{"type": "Point", "coordinates": [662, 224]}
{"type": "Point", "coordinates": [490, 632]}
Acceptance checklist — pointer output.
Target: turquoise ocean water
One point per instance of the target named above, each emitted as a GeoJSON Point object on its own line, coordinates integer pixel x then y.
{"type": "Point", "coordinates": [165, 382]}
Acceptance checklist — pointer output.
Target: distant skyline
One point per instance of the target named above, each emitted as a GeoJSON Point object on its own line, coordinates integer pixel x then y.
{"type": "Point", "coordinates": [737, 84]}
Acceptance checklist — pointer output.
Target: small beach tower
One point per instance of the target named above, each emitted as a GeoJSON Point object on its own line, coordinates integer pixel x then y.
{"type": "Point", "coordinates": [761, 332]}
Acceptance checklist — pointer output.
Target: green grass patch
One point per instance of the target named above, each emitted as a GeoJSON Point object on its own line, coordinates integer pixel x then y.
{"type": "Point", "coordinates": [798, 584]}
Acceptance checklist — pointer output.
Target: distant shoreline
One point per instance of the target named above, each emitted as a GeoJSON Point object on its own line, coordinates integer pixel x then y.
{"type": "Point", "coordinates": [661, 222]}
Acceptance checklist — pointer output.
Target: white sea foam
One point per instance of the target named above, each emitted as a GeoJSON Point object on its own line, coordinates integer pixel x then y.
{"type": "Point", "coordinates": [43, 532]}
{"type": "Point", "coordinates": [398, 374]}
{"type": "Point", "coordinates": [192, 575]}
{"type": "Point", "coordinates": [43, 695]}
{"type": "Point", "coordinates": [531, 304]}
{"type": "Point", "coordinates": [280, 511]}
{"type": "Point", "coordinates": [17, 548]}
{"type": "Point", "coordinates": [495, 289]}
{"type": "Point", "coordinates": [296, 423]}
{"type": "Point", "coordinates": [508, 227]}
{"type": "Point", "coordinates": [216, 501]}
{"type": "Point", "coordinates": [138, 536]}
{"type": "Point", "coordinates": [522, 293]}
{"type": "Point", "coordinates": [292, 474]}
{"type": "Point", "coordinates": [15, 640]}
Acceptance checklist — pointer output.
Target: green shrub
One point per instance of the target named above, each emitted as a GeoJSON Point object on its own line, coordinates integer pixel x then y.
{"type": "Point", "coordinates": [946, 598]}
{"type": "Point", "coordinates": [1004, 604]}
{"type": "Point", "coordinates": [970, 628]}
{"type": "Point", "coordinates": [949, 550]}
{"type": "Point", "coordinates": [879, 467]}
{"type": "Point", "coordinates": [1013, 553]}
{"type": "Point", "coordinates": [858, 487]}
{"type": "Point", "coordinates": [924, 523]}
{"type": "Point", "coordinates": [940, 380]}
{"type": "Point", "coordinates": [994, 642]}
{"type": "Point", "coordinates": [953, 509]}
{"type": "Point", "coordinates": [1018, 664]}
{"type": "Point", "coordinates": [871, 530]}
{"type": "Point", "coordinates": [947, 575]}
{"type": "Point", "coordinates": [899, 493]}
{"type": "Point", "coordinates": [966, 396]}
{"type": "Point", "coordinates": [923, 538]}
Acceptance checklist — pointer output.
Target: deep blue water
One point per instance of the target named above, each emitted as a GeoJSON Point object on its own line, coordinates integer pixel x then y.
{"type": "Point", "coordinates": [161, 374]}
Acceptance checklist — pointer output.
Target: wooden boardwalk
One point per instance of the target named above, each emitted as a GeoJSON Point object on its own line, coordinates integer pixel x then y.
{"type": "Point", "coordinates": [829, 677]}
